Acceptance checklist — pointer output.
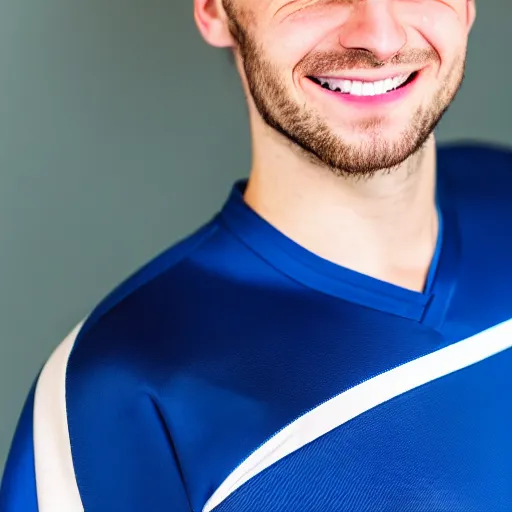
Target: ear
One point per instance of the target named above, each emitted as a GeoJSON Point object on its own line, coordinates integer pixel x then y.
{"type": "Point", "coordinates": [212, 22]}
{"type": "Point", "coordinates": [471, 13]}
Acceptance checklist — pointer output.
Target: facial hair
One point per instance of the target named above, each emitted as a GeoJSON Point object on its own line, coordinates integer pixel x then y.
{"type": "Point", "coordinates": [309, 133]}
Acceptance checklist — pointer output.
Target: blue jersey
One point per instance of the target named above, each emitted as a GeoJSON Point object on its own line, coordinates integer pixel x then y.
{"type": "Point", "coordinates": [238, 372]}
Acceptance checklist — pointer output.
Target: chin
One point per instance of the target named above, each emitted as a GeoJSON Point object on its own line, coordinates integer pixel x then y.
{"type": "Point", "coordinates": [376, 135]}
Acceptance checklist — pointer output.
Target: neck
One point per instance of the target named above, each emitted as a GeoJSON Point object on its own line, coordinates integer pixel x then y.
{"type": "Point", "coordinates": [385, 227]}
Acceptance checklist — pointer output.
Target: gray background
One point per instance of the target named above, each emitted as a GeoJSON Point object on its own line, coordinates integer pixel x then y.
{"type": "Point", "coordinates": [120, 132]}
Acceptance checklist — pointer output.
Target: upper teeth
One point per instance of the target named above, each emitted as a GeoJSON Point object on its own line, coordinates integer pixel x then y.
{"type": "Point", "coordinates": [358, 88]}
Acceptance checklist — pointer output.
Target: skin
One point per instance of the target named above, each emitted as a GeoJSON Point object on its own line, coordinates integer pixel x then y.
{"type": "Point", "coordinates": [353, 183]}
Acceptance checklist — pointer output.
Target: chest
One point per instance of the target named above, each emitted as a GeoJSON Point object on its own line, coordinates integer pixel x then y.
{"type": "Point", "coordinates": [445, 446]}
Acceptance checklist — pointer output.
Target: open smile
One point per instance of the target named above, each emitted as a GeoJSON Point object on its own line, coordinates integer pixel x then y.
{"type": "Point", "coordinates": [367, 91]}
{"type": "Point", "coordinates": [360, 88]}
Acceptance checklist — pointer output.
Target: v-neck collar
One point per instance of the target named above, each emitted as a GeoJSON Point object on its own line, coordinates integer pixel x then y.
{"type": "Point", "coordinates": [285, 255]}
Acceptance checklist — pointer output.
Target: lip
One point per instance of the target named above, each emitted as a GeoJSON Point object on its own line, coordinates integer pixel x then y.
{"type": "Point", "coordinates": [369, 101]}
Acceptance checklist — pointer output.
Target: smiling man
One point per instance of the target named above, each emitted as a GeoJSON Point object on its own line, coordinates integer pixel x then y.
{"type": "Point", "coordinates": [338, 337]}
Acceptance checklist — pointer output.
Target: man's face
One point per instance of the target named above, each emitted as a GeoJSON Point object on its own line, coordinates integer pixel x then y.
{"type": "Point", "coordinates": [358, 85]}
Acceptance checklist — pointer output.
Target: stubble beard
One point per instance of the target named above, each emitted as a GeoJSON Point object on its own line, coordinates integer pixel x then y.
{"type": "Point", "coordinates": [308, 133]}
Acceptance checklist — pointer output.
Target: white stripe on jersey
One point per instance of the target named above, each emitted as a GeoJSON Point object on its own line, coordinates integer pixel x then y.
{"type": "Point", "coordinates": [57, 490]}
{"type": "Point", "coordinates": [363, 397]}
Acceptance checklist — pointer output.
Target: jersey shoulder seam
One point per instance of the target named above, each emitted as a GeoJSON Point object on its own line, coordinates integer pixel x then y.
{"type": "Point", "coordinates": [149, 272]}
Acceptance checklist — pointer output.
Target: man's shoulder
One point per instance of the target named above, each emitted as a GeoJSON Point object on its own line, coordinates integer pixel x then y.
{"type": "Point", "coordinates": [157, 267]}
{"type": "Point", "coordinates": [476, 166]}
{"type": "Point", "coordinates": [475, 179]}
{"type": "Point", "coordinates": [135, 325]}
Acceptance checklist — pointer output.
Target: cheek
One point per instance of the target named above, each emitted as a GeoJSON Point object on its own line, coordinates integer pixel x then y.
{"type": "Point", "coordinates": [441, 23]}
{"type": "Point", "coordinates": [292, 35]}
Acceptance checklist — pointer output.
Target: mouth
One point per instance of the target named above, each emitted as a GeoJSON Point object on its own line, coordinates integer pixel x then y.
{"type": "Point", "coordinates": [362, 89]}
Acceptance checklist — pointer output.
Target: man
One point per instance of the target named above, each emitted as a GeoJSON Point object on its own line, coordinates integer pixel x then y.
{"type": "Point", "coordinates": [338, 337]}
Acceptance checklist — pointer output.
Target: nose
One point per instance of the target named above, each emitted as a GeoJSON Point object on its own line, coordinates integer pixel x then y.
{"type": "Point", "coordinates": [373, 26]}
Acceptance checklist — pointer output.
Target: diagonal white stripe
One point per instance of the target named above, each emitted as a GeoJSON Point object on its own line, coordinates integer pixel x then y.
{"type": "Point", "coordinates": [57, 490]}
{"type": "Point", "coordinates": [361, 398]}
